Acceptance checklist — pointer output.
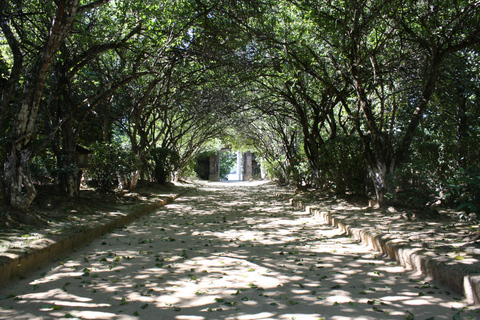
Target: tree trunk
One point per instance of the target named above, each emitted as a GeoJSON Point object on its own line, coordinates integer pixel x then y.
{"type": "Point", "coordinates": [18, 180]}
{"type": "Point", "coordinates": [381, 175]}
{"type": "Point", "coordinates": [462, 132]}
{"type": "Point", "coordinates": [72, 183]}
{"type": "Point", "coordinates": [67, 163]}
{"type": "Point", "coordinates": [135, 176]}
{"type": "Point", "coordinates": [69, 177]}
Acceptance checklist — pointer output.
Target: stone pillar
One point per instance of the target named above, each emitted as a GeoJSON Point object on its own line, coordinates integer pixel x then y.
{"type": "Point", "coordinates": [214, 172]}
{"type": "Point", "coordinates": [247, 166]}
{"type": "Point", "coordinates": [239, 165]}
{"type": "Point", "coordinates": [263, 171]}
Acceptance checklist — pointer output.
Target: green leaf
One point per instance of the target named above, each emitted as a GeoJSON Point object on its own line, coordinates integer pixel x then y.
{"type": "Point", "coordinates": [375, 308]}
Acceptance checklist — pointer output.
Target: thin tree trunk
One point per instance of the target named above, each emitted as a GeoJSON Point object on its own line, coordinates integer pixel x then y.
{"type": "Point", "coordinates": [382, 177]}
{"type": "Point", "coordinates": [135, 176]}
{"type": "Point", "coordinates": [462, 129]}
{"type": "Point", "coordinates": [69, 175]}
{"type": "Point", "coordinates": [19, 186]}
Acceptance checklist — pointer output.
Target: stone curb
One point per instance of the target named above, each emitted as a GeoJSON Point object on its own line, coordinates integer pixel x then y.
{"type": "Point", "coordinates": [411, 259]}
{"type": "Point", "coordinates": [15, 265]}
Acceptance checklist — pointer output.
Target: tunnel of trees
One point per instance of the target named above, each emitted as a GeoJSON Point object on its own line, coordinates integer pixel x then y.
{"type": "Point", "coordinates": [375, 98]}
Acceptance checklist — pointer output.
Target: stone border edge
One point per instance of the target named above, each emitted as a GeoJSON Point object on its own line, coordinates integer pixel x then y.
{"type": "Point", "coordinates": [409, 258]}
{"type": "Point", "coordinates": [12, 267]}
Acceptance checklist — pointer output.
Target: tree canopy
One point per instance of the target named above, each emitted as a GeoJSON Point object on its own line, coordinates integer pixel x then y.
{"type": "Point", "coordinates": [367, 97]}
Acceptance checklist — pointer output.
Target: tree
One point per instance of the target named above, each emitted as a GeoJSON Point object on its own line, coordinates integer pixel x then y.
{"type": "Point", "coordinates": [21, 24]}
{"type": "Point", "coordinates": [73, 93]}
{"type": "Point", "coordinates": [391, 56]}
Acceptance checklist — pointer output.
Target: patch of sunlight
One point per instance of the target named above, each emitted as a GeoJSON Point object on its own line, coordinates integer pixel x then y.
{"type": "Point", "coordinates": [430, 301]}
{"type": "Point", "coordinates": [97, 315]}
{"type": "Point", "coordinates": [168, 299]}
{"type": "Point", "coordinates": [74, 304]}
{"type": "Point", "coordinates": [396, 298]}
{"type": "Point", "coordinates": [303, 316]}
{"type": "Point", "coordinates": [391, 269]}
{"type": "Point", "coordinates": [262, 315]}
{"type": "Point", "coordinates": [237, 183]}
{"type": "Point", "coordinates": [54, 294]}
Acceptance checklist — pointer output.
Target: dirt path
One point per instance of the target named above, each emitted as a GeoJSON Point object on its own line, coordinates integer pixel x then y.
{"type": "Point", "coordinates": [227, 251]}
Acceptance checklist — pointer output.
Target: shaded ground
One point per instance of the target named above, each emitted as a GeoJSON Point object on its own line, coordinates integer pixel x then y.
{"type": "Point", "coordinates": [227, 251]}
{"type": "Point", "coordinates": [72, 215]}
{"type": "Point", "coordinates": [439, 235]}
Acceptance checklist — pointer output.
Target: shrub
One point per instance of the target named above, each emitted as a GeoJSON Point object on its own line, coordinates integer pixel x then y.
{"type": "Point", "coordinates": [415, 185]}
{"type": "Point", "coordinates": [188, 170]}
{"type": "Point", "coordinates": [44, 168]}
{"type": "Point", "coordinates": [276, 169]}
{"type": "Point", "coordinates": [109, 161]}
{"type": "Point", "coordinates": [343, 164]}
{"type": "Point", "coordinates": [165, 161]}
{"type": "Point", "coordinates": [465, 189]}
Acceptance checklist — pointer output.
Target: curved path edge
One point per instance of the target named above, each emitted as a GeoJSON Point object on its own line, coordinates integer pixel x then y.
{"type": "Point", "coordinates": [19, 264]}
{"type": "Point", "coordinates": [412, 259]}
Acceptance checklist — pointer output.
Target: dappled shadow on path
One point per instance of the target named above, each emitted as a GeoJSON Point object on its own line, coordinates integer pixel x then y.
{"type": "Point", "coordinates": [226, 252]}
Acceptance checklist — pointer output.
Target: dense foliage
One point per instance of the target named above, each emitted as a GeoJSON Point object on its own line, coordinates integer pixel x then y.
{"type": "Point", "coordinates": [228, 160]}
{"type": "Point", "coordinates": [367, 97]}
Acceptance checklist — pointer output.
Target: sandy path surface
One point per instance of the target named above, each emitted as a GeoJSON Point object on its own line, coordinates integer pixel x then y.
{"type": "Point", "coordinates": [227, 251]}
